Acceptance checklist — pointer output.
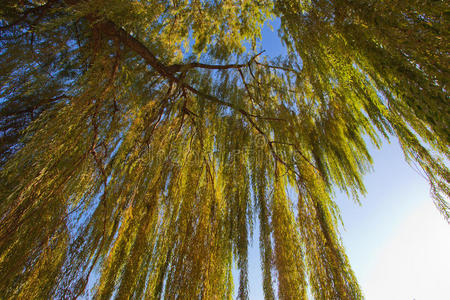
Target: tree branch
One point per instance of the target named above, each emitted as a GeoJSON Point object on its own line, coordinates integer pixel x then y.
{"type": "Point", "coordinates": [184, 67]}
{"type": "Point", "coordinates": [132, 43]}
{"type": "Point", "coordinates": [277, 67]}
{"type": "Point", "coordinates": [39, 10]}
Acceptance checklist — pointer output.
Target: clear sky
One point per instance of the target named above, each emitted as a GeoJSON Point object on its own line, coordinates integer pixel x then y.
{"type": "Point", "coordinates": [397, 242]}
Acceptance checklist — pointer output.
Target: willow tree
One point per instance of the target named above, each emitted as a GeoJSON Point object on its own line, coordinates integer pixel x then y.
{"type": "Point", "coordinates": [141, 141]}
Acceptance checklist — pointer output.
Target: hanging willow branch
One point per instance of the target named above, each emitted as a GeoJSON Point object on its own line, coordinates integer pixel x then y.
{"type": "Point", "coordinates": [143, 141]}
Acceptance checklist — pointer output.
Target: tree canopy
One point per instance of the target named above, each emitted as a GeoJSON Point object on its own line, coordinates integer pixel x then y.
{"type": "Point", "coordinates": [142, 141]}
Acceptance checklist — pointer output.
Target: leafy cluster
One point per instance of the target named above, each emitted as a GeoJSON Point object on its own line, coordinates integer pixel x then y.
{"type": "Point", "coordinates": [142, 141]}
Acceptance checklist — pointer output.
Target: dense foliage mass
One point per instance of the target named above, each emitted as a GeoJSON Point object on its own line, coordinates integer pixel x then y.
{"type": "Point", "coordinates": [142, 141]}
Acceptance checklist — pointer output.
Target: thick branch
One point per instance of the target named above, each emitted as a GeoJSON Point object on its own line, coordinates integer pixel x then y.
{"type": "Point", "coordinates": [112, 29]}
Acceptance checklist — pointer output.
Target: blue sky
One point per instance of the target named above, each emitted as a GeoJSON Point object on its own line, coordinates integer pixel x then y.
{"type": "Point", "coordinates": [396, 240]}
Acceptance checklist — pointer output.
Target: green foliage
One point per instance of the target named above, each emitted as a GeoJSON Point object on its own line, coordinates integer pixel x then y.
{"type": "Point", "coordinates": [141, 141]}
